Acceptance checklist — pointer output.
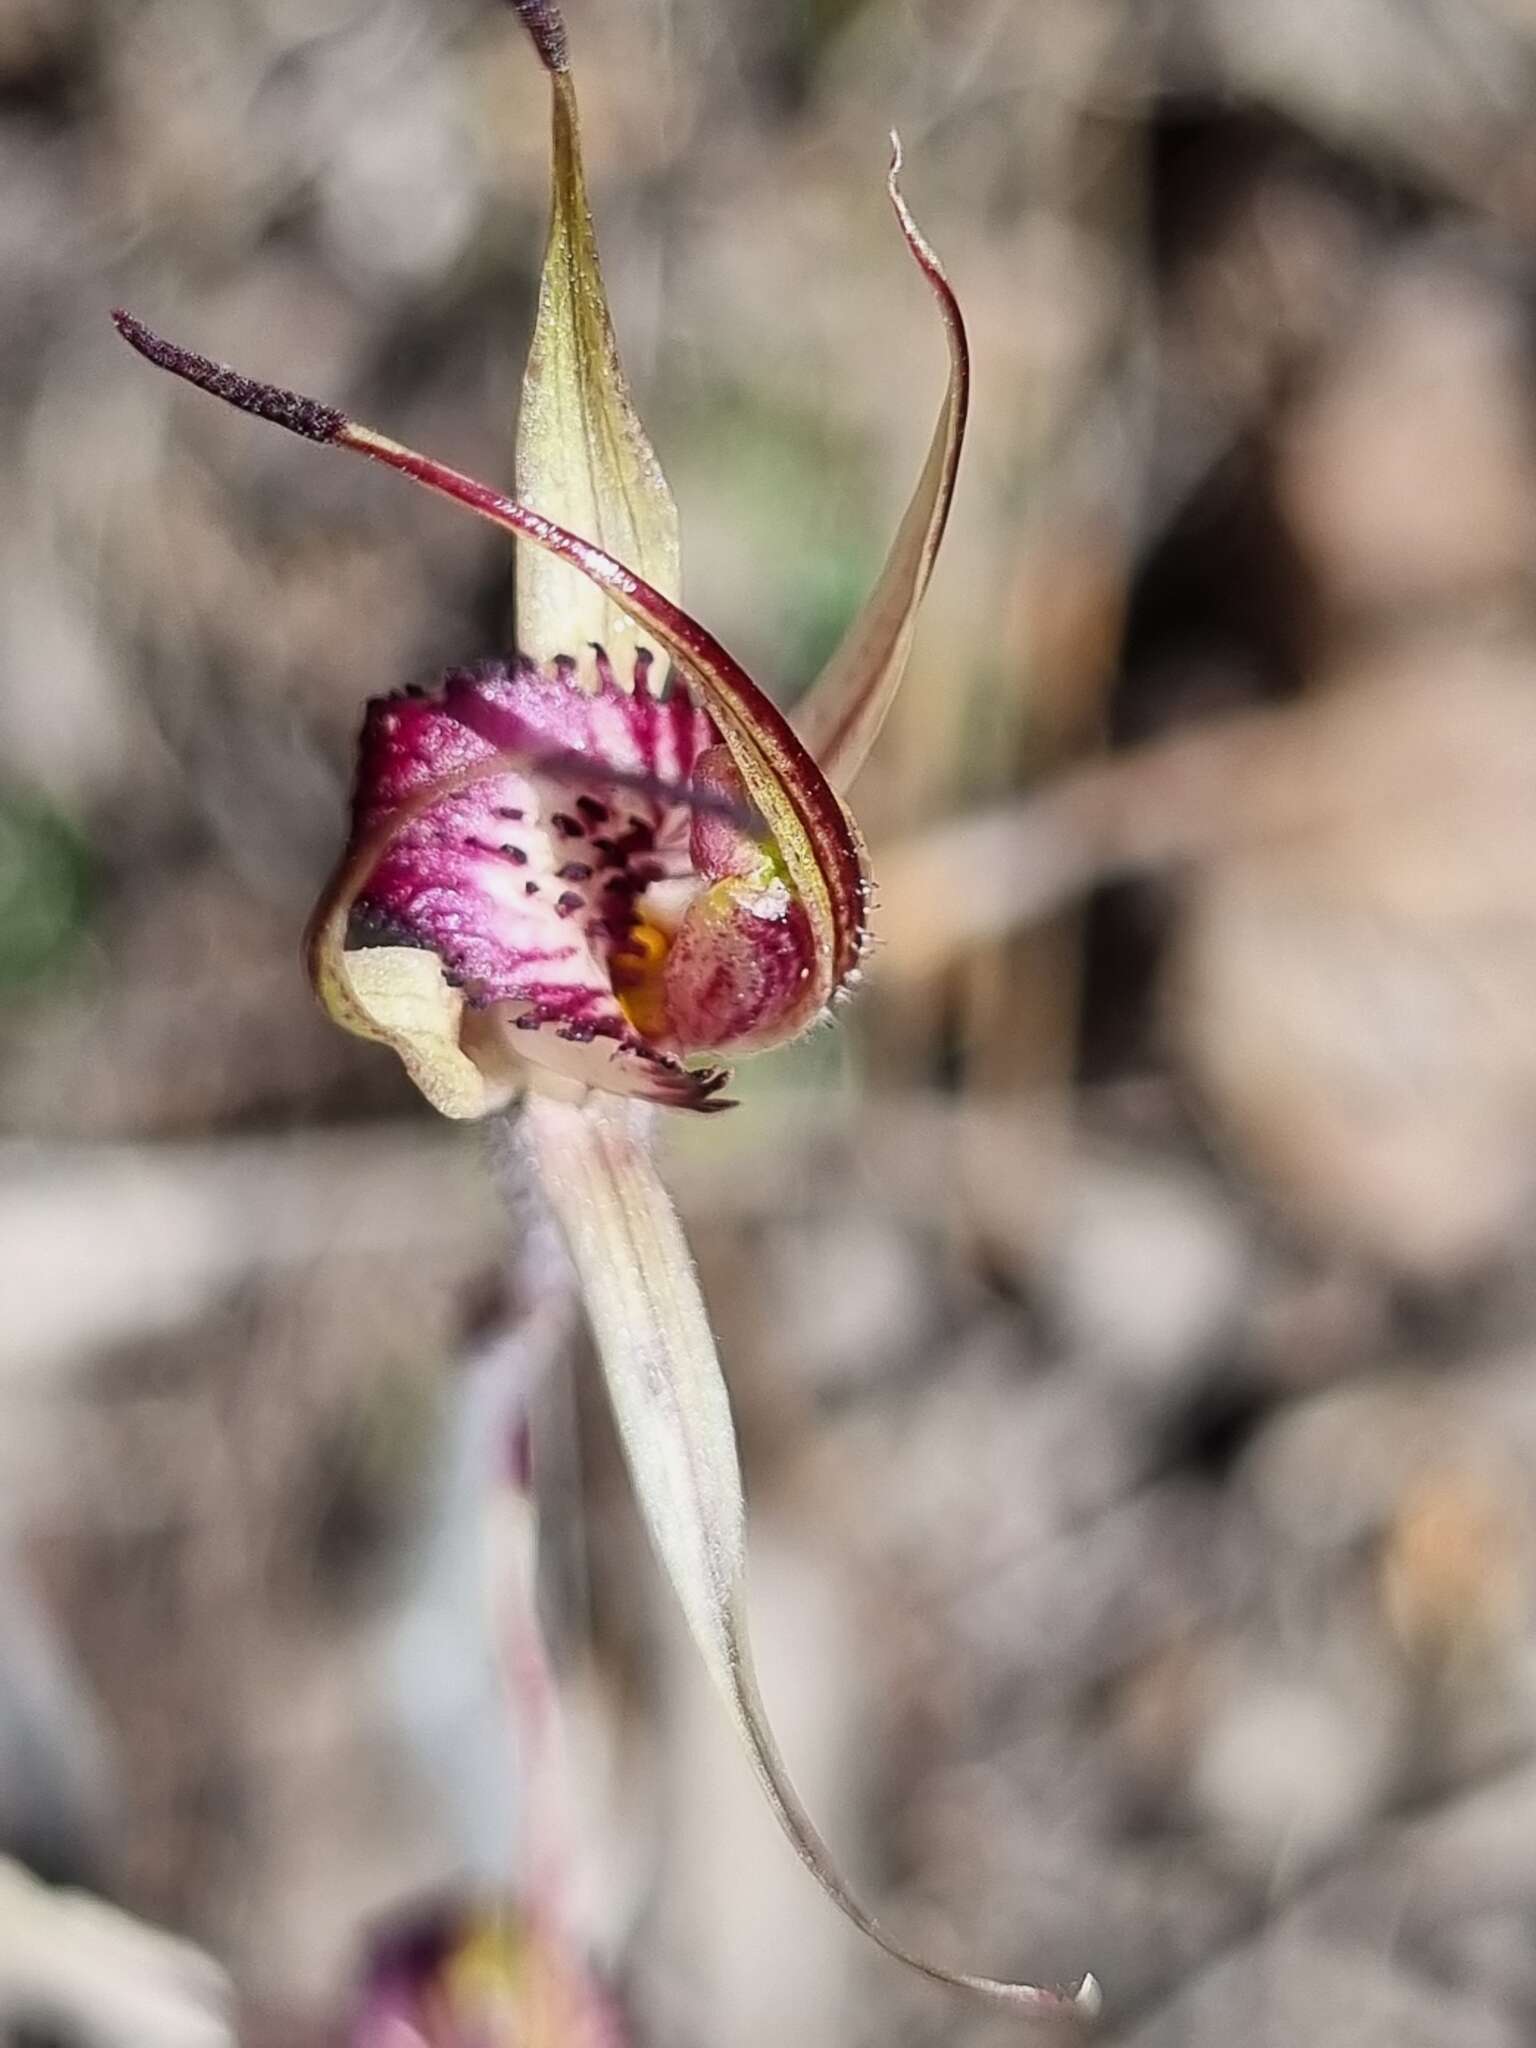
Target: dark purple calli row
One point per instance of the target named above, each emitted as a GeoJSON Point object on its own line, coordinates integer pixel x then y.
{"type": "Point", "coordinates": [610, 893]}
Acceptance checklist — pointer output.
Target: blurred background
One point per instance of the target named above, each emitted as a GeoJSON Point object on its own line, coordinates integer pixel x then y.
{"type": "Point", "coordinates": [1129, 1307]}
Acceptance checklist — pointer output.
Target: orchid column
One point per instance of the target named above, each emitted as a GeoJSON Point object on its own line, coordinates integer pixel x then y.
{"type": "Point", "coordinates": [576, 880]}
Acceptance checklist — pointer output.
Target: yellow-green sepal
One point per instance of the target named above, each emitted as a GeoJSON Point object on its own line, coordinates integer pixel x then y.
{"type": "Point", "coordinates": [582, 458]}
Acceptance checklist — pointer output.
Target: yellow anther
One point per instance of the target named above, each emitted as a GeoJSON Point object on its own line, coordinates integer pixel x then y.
{"type": "Point", "coordinates": [485, 1967]}
{"type": "Point", "coordinates": [638, 965]}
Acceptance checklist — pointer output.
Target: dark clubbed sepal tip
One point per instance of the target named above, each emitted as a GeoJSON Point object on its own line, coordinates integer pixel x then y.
{"type": "Point", "coordinates": [543, 21]}
{"type": "Point", "coordinates": [290, 409]}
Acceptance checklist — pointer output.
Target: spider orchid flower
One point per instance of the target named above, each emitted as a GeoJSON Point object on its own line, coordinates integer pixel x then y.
{"type": "Point", "coordinates": [573, 876]}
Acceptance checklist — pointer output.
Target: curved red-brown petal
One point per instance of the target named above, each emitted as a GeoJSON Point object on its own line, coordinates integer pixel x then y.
{"type": "Point", "coordinates": [821, 848]}
{"type": "Point", "coordinates": [844, 709]}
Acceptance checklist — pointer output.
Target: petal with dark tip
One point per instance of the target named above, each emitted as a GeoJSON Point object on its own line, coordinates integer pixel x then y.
{"type": "Point", "coordinates": [819, 845]}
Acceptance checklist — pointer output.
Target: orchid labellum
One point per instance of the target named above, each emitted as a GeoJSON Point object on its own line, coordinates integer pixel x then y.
{"type": "Point", "coordinates": [585, 872]}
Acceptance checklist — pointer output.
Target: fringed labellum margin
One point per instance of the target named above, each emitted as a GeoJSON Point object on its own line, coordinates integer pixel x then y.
{"type": "Point", "coordinates": [561, 876]}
